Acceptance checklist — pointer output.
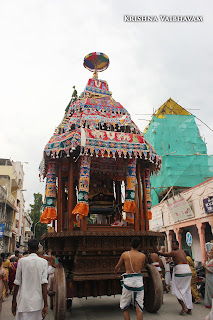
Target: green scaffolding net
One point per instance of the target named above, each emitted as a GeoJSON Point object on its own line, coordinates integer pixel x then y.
{"type": "Point", "coordinates": [185, 162]}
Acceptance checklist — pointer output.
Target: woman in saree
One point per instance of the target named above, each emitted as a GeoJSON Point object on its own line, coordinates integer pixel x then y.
{"type": "Point", "coordinates": [3, 284]}
{"type": "Point", "coordinates": [209, 280]}
{"type": "Point", "coordinates": [6, 265]}
{"type": "Point", "coordinates": [210, 315]}
{"type": "Point", "coordinates": [194, 290]}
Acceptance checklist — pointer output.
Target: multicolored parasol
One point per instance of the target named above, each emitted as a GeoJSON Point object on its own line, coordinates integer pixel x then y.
{"type": "Point", "coordinates": [96, 61]}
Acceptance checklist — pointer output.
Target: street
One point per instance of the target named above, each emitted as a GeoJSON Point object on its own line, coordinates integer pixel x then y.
{"type": "Point", "coordinates": [108, 308]}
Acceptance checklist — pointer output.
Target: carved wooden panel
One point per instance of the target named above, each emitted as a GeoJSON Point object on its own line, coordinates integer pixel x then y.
{"type": "Point", "coordinates": [94, 265]}
{"type": "Point", "coordinates": [89, 258]}
{"type": "Point", "coordinates": [93, 288]}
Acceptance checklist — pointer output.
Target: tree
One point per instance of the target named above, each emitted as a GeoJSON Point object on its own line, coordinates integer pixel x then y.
{"type": "Point", "coordinates": [73, 99]}
{"type": "Point", "coordinates": [36, 211]}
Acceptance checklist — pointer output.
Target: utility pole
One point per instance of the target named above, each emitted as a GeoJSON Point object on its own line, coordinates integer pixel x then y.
{"type": "Point", "coordinates": [35, 228]}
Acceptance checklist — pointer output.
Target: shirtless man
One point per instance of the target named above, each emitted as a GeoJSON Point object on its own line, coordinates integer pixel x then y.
{"type": "Point", "coordinates": [181, 278]}
{"type": "Point", "coordinates": [132, 290]}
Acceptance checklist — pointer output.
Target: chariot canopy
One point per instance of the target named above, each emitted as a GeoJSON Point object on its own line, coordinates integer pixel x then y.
{"type": "Point", "coordinates": [94, 151]}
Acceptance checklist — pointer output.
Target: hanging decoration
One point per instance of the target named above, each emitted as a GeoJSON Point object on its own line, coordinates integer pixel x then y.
{"type": "Point", "coordinates": [49, 213]}
{"type": "Point", "coordinates": [148, 192]}
{"type": "Point", "coordinates": [82, 207]}
{"type": "Point", "coordinates": [129, 204]}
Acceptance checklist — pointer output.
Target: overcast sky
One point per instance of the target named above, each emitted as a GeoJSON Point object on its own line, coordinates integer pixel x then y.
{"type": "Point", "coordinates": [43, 44]}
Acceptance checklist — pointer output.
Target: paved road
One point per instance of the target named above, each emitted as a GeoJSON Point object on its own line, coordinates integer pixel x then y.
{"type": "Point", "coordinates": [107, 308]}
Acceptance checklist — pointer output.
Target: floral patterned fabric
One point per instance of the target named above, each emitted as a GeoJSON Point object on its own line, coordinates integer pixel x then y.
{"type": "Point", "coordinates": [50, 195]}
{"type": "Point", "coordinates": [129, 204]}
{"type": "Point", "coordinates": [148, 192]}
{"type": "Point", "coordinates": [82, 207]}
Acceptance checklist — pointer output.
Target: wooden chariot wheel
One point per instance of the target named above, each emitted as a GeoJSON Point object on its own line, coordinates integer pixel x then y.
{"type": "Point", "coordinates": [153, 297]}
{"type": "Point", "coordinates": [60, 297]}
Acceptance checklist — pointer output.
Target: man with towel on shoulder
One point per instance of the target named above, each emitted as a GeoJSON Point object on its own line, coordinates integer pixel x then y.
{"type": "Point", "coordinates": [133, 290]}
{"type": "Point", "coordinates": [181, 278]}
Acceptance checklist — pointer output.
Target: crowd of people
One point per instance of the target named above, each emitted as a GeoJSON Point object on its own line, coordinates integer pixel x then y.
{"type": "Point", "coordinates": [17, 270]}
{"type": "Point", "coordinates": [184, 278]}
{"type": "Point", "coordinates": [37, 267]}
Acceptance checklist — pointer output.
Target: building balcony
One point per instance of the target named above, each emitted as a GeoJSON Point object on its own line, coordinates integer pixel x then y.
{"type": "Point", "coordinates": [14, 182]}
{"type": "Point", "coordinates": [3, 194]}
{"type": "Point", "coordinates": [11, 199]}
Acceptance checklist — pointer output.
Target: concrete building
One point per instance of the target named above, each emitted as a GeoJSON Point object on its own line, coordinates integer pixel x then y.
{"type": "Point", "coordinates": [27, 225]}
{"type": "Point", "coordinates": [7, 209]}
{"type": "Point", "coordinates": [11, 182]}
{"type": "Point", "coordinates": [187, 214]}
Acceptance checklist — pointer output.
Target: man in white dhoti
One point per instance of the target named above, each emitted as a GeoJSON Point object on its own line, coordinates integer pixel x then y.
{"type": "Point", "coordinates": [132, 283]}
{"type": "Point", "coordinates": [30, 286]}
{"type": "Point", "coordinates": [167, 275]}
{"type": "Point", "coordinates": [181, 279]}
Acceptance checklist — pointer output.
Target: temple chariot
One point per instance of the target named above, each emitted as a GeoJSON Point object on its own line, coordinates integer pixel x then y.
{"type": "Point", "coordinates": [97, 167]}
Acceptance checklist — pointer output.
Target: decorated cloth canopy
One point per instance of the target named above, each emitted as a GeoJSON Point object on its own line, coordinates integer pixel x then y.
{"type": "Point", "coordinates": [97, 127]}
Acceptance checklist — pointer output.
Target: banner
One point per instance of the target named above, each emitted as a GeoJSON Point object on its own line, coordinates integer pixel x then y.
{"type": "Point", "coordinates": [2, 226]}
{"type": "Point", "coordinates": [179, 208]}
{"type": "Point", "coordinates": [156, 223]}
{"type": "Point", "coordinates": [208, 205]}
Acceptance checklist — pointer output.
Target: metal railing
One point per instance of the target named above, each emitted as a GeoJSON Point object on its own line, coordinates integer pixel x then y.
{"type": "Point", "coordinates": [12, 200]}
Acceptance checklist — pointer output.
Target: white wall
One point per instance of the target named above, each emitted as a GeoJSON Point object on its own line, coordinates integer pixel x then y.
{"type": "Point", "coordinates": [194, 196]}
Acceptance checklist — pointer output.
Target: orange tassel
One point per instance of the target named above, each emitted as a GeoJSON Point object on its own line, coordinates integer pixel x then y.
{"type": "Point", "coordinates": [48, 215]}
{"type": "Point", "coordinates": [149, 215]}
{"type": "Point", "coordinates": [129, 206]}
{"type": "Point", "coordinates": [82, 209]}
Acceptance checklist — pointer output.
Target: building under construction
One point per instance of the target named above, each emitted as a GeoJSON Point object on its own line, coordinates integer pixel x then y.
{"type": "Point", "coordinates": [174, 134]}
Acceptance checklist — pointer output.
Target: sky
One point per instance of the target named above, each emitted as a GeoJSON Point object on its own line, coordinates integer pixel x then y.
{"type": "Point", "coordinates": [43, 44]}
